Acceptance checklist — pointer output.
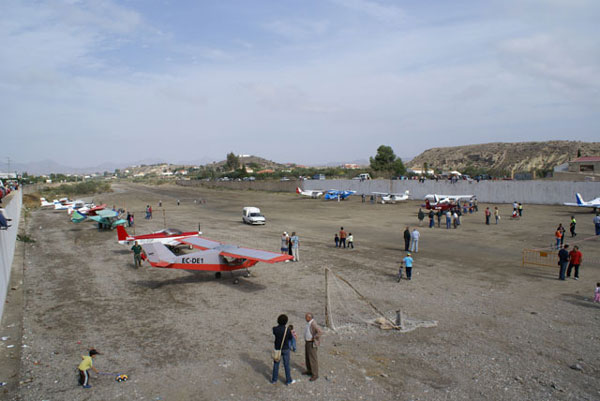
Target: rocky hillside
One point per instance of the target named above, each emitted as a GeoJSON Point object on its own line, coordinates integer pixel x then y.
{"type": "Point", "coordinates": [507, 157]}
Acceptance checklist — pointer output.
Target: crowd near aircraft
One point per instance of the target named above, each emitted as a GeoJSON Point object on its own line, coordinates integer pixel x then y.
{"type": "Point", "coordinates": [594, 203]}
{"type": "Point", "coordinates": [337, 194]}
{"type": "Point", "coordinates": [308, 192]}
{"type": "Point", "coordinates": [392, 198]}
{"type": "Point", "coordinates": [213, 256]}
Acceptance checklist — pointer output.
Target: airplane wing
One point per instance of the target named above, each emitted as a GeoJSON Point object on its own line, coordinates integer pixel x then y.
{"type": "Point", "coordinates": [596, 205]}
{"type": "Point", "coordinates": [107, 213]}
{"type": "Point", "coordinates": [97, 219]}
{"type": "Point", "coordinates": [381, 193]}
{"type": "Point", "coordinates": [158, 254]}
{"type": "Point", "coordinates": [253, 254]}
{"type": "Point", "coordinates": [199, 242]}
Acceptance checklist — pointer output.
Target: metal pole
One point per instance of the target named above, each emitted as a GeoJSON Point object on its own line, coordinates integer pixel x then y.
{"type": "Point", "coordinates": [164, 219]}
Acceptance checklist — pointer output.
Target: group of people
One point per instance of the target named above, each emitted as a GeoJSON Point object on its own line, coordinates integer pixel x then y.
{"type": "Point", "coordinates": [569, 261]}
{"type": "Point", "coordinates": [148, 212]}
{"type": "Point", "coordinates": [343, 238]}
{"type": "Point", "coordinates": [285, 343]}
{"type": "Point", "coordinates": [290, 245]}
{"type": "Point", "coordinates": [411, 240]}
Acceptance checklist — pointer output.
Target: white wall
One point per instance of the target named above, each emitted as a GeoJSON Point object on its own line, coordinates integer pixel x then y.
{"type": "Point", "coordinates": [532, 192]}
{"type": "Point", "coordinates": [8, 239]}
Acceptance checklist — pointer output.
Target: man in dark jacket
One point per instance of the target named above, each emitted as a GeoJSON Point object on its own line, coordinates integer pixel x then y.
{"type": "Point", "coordinates": [563, 261]}
{"type": "Point", "coordinates": [406, 239]}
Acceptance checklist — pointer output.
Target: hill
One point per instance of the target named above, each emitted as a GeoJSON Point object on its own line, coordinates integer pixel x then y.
{"type": "Point", "coordinates": [505, 158]}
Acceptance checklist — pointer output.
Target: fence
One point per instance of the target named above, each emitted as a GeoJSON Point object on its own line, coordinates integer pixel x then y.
{"type": "Point", "coordinates": [533, 192]}
{"type": "Point", "coordinates": [538, 257]}
{"type": "Point", "coordinates": [8, 238]}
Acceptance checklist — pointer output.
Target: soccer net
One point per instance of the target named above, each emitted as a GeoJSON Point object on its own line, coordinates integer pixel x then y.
{"type": "Point", "coordinates": [347, 309]}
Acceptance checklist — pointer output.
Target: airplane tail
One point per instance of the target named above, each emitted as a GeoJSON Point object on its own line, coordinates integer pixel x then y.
{"type": "Point", "coordinates": [436, 199]}
{"type": "Point", "coordinates": [121, 233]}
{"type": "Point", "coordinates": [298, 190]}
{"type": "Point", "coordinates": [579, 199]}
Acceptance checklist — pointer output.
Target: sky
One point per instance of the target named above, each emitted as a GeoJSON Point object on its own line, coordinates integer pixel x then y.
{"type": "Point", "coordinates": [304, 81]}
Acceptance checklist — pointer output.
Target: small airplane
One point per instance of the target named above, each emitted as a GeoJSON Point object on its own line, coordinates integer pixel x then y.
{"type": "Point", "coordinates": [45, 203]}
{"type": "Point", "coordinates": [171, 237]}
{"type": "Point", "coordinates": [443, 206]}
{"type": "Point", "coordinates": [309, 192]}
{"type": "Point", "coordinates": [63, 204]}
{"type": "Point", "coordinates": [108, 219]}
{"type": "Point", "coordinates": [88, 209]}
{"type": "Point", "coordinates": [335, 194]}
{"type": "Point", "coordinates": [594, 203]}
{"type": "Point", "coordinates": [213, 256]}
{"type": "Point", "coordinates": [435, 198]}
{"type": "Point", "coordinates": [392, 198]}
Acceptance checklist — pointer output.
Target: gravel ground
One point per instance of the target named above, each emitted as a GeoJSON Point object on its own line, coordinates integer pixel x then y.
{"type": "Point", "coordinates": [504, 332]}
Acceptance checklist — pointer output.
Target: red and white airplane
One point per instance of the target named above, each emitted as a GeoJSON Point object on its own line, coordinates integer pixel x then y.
{"type": "Point", "coordinates": [212, 256]}
{"type": "Point", "coordinates": [88, 209]}
{"type": "Point", "coordinates": [169, 236]}
{"type": "Point", "coordinates": [308, 192]}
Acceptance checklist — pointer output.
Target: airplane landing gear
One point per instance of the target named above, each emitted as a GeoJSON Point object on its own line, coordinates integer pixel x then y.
{"type": "Point", "coordinates": [218, 275]}
{"type": "Point", "coordinates": [247, 274]}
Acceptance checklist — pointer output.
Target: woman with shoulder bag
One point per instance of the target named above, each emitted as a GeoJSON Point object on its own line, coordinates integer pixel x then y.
{"type": "Point", "coordinates": [282, 350]}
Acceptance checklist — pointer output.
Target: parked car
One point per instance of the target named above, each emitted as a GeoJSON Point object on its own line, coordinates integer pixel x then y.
{"type": "Point", "coordinates": [319, 177]}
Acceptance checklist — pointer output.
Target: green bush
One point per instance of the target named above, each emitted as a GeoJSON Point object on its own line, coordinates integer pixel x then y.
{"type": "Point", "coordinates": [72, 190]}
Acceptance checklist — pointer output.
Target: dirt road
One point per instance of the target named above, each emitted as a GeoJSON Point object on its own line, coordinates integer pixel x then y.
{"type": "Point", "coordinates": [503, 332]}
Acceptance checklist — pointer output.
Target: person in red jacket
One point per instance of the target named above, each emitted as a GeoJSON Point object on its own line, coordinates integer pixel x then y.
{"type": "Point", "coordinates": [575, 259]}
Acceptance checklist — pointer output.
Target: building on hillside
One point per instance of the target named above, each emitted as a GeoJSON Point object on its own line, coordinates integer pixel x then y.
{"type": "Point", "coordinates": [350, 166]}
{"type": "Point", "coordinates": [266, 171]}
{"type": "Point", "coordinates": [586, 168]}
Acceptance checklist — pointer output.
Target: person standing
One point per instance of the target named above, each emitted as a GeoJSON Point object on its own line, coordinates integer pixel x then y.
{"type": "Point", "coordinates": [295, 243]}
{"type": "Point", "coordinates": [414, 243]}
{"type": "Point", "coordinates": [406, 239]}
{"type": "Point", "coordinates": [597, 293]}
{"type": "Point", "coordinates": [178, 202]}
{"type": "Point", "coordinates": [572, 226]}
{"type": "Point", "coordinates": [563, 260]}
{"type": "Point", "coordinates": [343, 236]}
{"type": "Point", "coordinates": [128, 219]}
{"type": "Point", "coordinates": [431, 220]}
{"type": "Point", "coordinates": [137, 254]}
{"type": "Point", "coordinates": [363, 197]}
{"type": "Point", "coordinates": [312, 339]}
{"type": "Point", "coordinates": [159, 203]}
{"type": "Point", "coordinates": [455, 219]}
{"type": "Point", "coordinates": [408, 264]}
{"type": "Point", "coordinates": [150, 211]}
{"type": "Point", "coordinates": [520, 209]}
{"type": "Point", "coordinates": [420, 216]}
{"type": "Point", "coordinates": [558, 236]}
{"type": "Point", "coordinates": [448, 218]}
{"type": "Point", "coordinates": [350, 241]}
{"type": "Point", "coordinates": [562, 234]}
{"type": "Point", "coordinates": [487, 215]}
{"type": "Point", "coordinates": [439, 218]}
{"type": "Point", "coordinates": [336, 238]}
{"type": "Point", "coordinates": [496, 214]}
{"type": "Point", "coordinates": [597, 223]}
{"type": "Point", "coordinates": [283, 338]}
{"type": "Point", "coordinates": [284, 243]}
{"type": "Point", "coordinates": [575, 259]}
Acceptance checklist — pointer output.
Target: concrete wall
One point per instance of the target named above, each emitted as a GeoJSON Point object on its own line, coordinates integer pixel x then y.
{"type": "Point", "coordinates": [8, 238]}
{"type": "Point", "coordinates": [532, 192]}
{"type": "Point", "coordinates": [270, 186]}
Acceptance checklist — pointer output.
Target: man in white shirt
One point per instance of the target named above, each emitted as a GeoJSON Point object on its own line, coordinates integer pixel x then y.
{"type": "Point", "coordinates": [312, 336]}
{"type": "Point", "coordinates": [414, 240]}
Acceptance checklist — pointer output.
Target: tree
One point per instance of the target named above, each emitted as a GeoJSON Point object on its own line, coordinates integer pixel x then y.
{"type": "Point", "coordinates": [233, 161]}
{"type": "Point", "coordinates": [385, 161]}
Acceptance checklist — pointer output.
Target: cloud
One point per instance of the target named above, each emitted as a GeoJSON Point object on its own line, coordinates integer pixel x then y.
{"type": "Point", "coordinates": [374, 9]}
{"type": "Point", "coordinates": [297, 29]}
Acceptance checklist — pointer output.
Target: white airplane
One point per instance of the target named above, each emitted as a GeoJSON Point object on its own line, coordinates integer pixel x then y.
{"type": "Point", "coordinates": [595, 203]}
{"type": "Point", "coordinates": [63, 204]}
{"type": "Point", "coordinates": [309, 192]}
{"type": "Point", "coordinates": [435, 198]}
{"type": "Point", "coordinates": [392, 198]}
{"type": "Point", "coordinates": [80, 206]}
{"type": "Point", "coordinates": [45, 203]}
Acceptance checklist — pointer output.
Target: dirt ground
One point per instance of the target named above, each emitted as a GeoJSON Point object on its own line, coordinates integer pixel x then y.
{"type": "Point", "coordinates": [505, 332]}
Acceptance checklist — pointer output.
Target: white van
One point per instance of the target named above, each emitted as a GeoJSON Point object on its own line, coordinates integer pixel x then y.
{"type": "Point", "coordinates": [362, 177]}
{"type": "Point", "coordinates": [251, 215]}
